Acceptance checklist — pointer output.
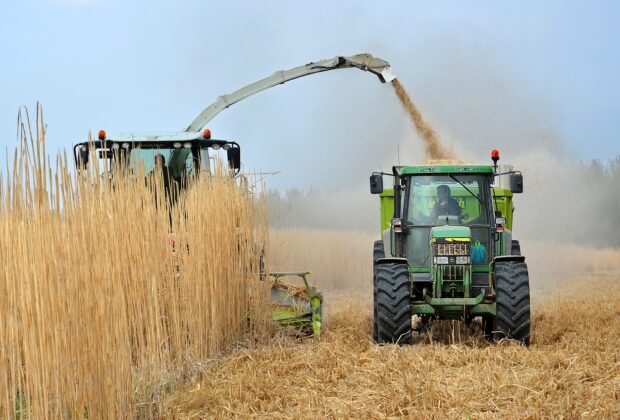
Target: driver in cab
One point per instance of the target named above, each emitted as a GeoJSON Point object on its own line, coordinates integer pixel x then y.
{"type": "Point", "coordinates": [446, 205]}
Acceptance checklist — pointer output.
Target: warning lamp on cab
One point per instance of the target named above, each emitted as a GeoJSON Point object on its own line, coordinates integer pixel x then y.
{"type": "Point", "coordinates": [495, 158]}
{"type": "Point", "coordinates": [101, 135]}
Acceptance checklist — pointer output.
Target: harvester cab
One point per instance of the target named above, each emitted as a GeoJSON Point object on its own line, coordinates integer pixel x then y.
{"type": "Point", "coordinates": [184, 155]}
{"type": "Point", "coordinates": [447, 251]}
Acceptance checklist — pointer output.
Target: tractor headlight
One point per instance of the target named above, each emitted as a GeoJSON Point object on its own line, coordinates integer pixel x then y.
{"type": "Point", "coordinates": [441, 260]}
{"type": "Point", "coordinates": [462, 260]}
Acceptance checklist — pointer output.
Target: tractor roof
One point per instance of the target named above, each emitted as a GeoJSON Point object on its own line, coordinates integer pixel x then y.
{"type": "Point", "coordinates": [446, 169]}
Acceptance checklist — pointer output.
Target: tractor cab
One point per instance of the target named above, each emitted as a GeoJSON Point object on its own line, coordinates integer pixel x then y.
{"type": "Point", "coordinates": [447, 199]}
{"type": "Point", "coordinates": [447, 243]}
{"type": "Point", "coordinates": [182, 155]}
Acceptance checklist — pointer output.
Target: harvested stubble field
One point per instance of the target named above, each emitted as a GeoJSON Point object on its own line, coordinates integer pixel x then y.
{"type": "Point", "coordinates": [572, 368]}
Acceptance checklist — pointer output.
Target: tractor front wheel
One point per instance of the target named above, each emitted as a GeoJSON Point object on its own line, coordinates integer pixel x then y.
{"type": "Point", "coordinates": [392, 304]}
{"type": "Point", "coordinates": [512, 288]}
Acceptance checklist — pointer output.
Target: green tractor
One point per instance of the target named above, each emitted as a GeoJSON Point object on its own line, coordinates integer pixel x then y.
{"type": "Point", "coordinates": [447, 251]}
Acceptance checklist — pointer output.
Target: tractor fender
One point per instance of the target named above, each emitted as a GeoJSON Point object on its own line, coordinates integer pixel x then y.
{"type": "Point", "coordinates": [501, 258]}
{"type": "Point", "coordinates": [392, 260]}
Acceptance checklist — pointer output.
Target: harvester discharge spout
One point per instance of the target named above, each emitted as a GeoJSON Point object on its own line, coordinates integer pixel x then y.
{"type": "Point", "coordinates": [365, 62]}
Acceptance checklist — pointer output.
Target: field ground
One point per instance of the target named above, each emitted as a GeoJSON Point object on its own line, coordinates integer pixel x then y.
{"type": "Point", "coordinates": [572, 368]}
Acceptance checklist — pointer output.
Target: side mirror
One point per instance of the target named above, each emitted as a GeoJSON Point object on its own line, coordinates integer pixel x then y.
{"type": "Point", "coordinates": [516, 183]}
{"type": "Point", "coordinates": [376, 184]}
{"type": "Point", "coordinates": [234, 157]}
{"type": "Point", "coordinates": [82, 157]}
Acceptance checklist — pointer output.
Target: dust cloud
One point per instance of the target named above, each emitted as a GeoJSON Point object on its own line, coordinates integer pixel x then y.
{"type": "Point", "coordinates": [434, 148]}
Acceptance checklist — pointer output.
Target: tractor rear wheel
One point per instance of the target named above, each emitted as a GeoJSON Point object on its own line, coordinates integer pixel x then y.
{"type": "Point", "coordinates": [512, 288]}
{"type": "Point", "coordinates": [392, 305]}
{"type": "Point", "coordinates": [515, 248]}
{"type": "Point", "coordinates": [377, 252]}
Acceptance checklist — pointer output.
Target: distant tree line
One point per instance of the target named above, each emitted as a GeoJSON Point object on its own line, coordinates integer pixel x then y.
{"type": "Point", "coordinates": [602, 192]}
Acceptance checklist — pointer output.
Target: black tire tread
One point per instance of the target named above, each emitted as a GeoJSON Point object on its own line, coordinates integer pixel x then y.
{"type": "Point", "coordinates": [378, 251]}
{"type": "Point", "coordinates": [512, 288]}
{"type": "Point", "coordinates": [392, 305]}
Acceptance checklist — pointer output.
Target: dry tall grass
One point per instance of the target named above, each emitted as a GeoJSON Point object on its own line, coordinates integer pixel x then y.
{"type": "Point", "coordinates": [103, 307]}
{"type": "Point", "coordinates": [571, 369]}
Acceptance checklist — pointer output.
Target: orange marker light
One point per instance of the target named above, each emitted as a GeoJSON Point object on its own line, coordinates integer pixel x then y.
{"type": "Point", "coordinates": [101, 135]}
{"type": "Point", "coordinates": [206, 134]}
{"type": "Point", "coordinates": [495, 158]}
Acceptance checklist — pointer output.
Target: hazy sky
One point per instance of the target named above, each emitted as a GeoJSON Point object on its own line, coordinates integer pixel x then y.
{"type": "Point", "coordinates": [484, 73]}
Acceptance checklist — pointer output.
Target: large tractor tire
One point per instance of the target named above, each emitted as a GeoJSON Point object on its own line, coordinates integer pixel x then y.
{"type": "Point", "coordinates": [378, 251]}
{"type": "Point", "coordinates": [512, 289]}
{"type": "Point", "coordinates": [515, 249]}
{"type": "Point", "coordinates": [392, 305]}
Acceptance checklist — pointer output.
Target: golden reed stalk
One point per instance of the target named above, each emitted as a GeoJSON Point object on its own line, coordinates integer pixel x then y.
{"type": "Point", "coordinates": [97, 305]}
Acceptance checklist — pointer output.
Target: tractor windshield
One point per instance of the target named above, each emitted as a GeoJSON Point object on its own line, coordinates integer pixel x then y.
{"type": "Point", "coordinates": [457, 199]}
{"type": "Point", "coordinates": [444, 199]}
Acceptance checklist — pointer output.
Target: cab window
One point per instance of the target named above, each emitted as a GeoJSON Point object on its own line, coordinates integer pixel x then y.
{"type": "Point", "coordinates": [443, 199]}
